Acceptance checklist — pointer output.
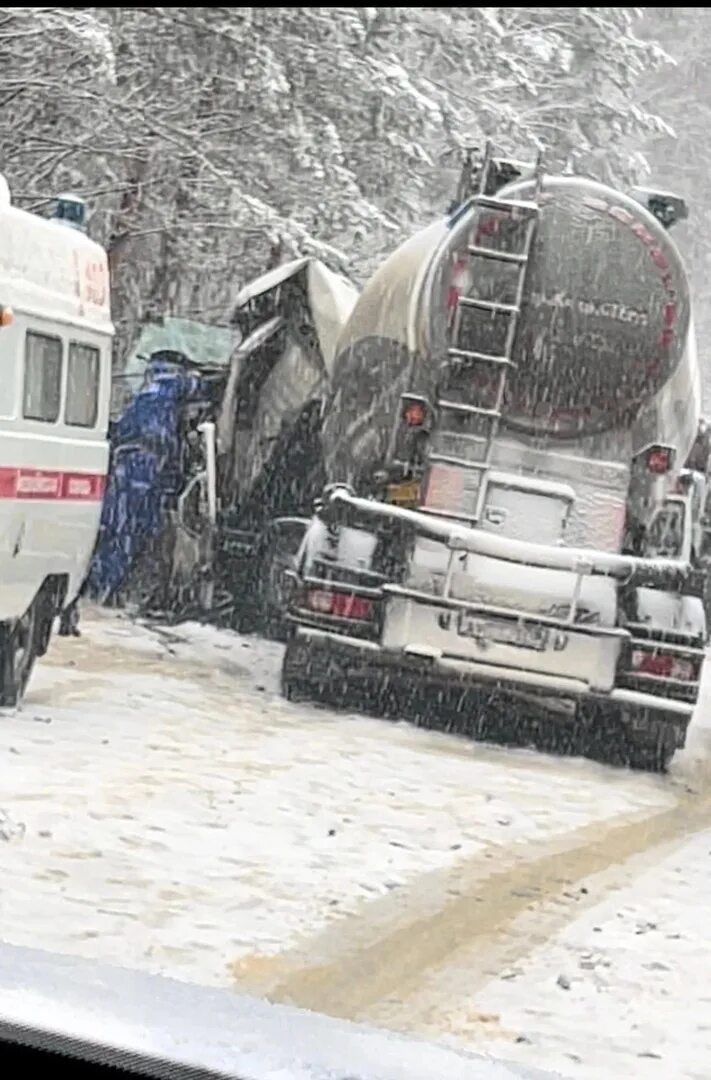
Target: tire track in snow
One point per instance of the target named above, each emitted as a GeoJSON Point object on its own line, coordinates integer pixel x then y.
{"type": "Point", "coordinates": [379, 960]}
{"type": "Point", "coordinates": [374, 963]}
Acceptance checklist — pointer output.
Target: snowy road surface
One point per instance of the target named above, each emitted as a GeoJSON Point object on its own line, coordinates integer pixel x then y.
{"type": "Point", "coordinates": [163, 808]}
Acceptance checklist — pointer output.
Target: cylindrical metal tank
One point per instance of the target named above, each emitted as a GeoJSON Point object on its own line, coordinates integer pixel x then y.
{"type": "Point", "coordinates": [604, 339]}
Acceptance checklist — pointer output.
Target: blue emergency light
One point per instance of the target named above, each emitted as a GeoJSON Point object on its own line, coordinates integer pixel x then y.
{"type": "Point", "coordinates": [70, 210]}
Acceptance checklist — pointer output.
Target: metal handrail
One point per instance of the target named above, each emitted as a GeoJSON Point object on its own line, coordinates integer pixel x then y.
{"type": "Point", "coordinates": [582, 561]}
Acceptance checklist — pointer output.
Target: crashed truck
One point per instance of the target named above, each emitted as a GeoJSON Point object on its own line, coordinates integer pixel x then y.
{"type": "Point", "coordinates": [214, 448]}
{"type": "Point", "coordinates": [270, 458]}
{"type": "Point", "coordinates": [507, 524]}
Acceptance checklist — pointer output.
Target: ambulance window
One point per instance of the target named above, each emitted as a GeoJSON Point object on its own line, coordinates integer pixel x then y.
{"type": "Point", "coordinates": [43, 377]}
{"type": "Point", "coordinates": [82, 403]}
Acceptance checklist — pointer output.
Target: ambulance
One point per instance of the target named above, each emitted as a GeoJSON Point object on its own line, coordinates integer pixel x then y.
{"type": "Point", "coordinates": [55, 383]}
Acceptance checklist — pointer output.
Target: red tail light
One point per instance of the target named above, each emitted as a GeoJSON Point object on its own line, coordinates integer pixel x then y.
{"type": "Point", "coordinates": [340, 605]}
{"type": "Point", "coordinates": [320, 601]}
{"type": "Point", "coordinates": [663, 665]}
{"type": "Point", "coordinates": [659, 459]}
{"type": "Point", "coordinates": [455, 284]}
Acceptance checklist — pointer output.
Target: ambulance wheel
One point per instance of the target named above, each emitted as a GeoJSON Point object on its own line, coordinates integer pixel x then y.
{"type": "Point", "coordinates": [17, 656]}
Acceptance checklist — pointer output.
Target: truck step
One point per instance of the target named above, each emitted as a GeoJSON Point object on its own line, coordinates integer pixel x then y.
{"type": "Point", "coordinates": [463, 463]}
{"type": "Point", "coordinates": [479, 252]}
{"type": "Point", "coordinates": [481, 357]}
{"type": "Point", "coordinates": [488, 305]}
{"type": "Point", "coordinates": [469, 410]}
{"type": "Point", "coordinates": [507, 206]}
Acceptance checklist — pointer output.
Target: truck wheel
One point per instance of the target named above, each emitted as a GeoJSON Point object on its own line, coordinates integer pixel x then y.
{"type": "Point", "coordinates": [273, 601]}
{"type": "Point", "coordinates": [274, 594]}
{"type": "Point", "coordinates": [650, 759]}
{"type": "Point", "coordinates": [296, 690]}
{"type": "Point", "coordinates": [45, 611]}
{"type": "Point", "coordinates": [296, 684]}
{"type": "Point", "coordinates": [652, 748]}
{"type": "Point", "coordinates": [17, 655]}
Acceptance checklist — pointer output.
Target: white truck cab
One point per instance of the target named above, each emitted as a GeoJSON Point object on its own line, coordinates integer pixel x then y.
{"type": "Point", "coordinates": [55, 364]}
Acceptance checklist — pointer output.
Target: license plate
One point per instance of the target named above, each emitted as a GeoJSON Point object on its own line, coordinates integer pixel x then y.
{"type": "Point", "coordinates": [524, 636]}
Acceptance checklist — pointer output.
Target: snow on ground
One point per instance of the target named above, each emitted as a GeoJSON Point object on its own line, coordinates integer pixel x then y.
{"type": "Point", "coordinates": [623, 987]}
{"type": "Point", "coordinates": [163, 808]}
{"type": "Point", "coordinates": [623, 991]}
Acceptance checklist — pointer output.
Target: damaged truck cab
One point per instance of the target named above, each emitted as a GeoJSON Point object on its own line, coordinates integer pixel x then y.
{"type": "Point", "coordinates": [512, 404]}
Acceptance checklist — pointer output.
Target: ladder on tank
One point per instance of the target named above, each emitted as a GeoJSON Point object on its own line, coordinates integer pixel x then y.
{"type": "Point", "coordinates": [478, 254]}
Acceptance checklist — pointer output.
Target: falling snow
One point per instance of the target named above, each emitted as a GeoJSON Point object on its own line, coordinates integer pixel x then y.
{"type": "Point", "coordinates": [164, 809]}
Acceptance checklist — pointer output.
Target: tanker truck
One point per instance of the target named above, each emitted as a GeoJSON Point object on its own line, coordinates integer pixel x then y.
{"type": "Point", "coordinates": [505, 536]}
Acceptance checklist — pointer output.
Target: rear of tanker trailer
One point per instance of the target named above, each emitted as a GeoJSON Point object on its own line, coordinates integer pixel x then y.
{"type": "Point", "coordinates": [512, 401]}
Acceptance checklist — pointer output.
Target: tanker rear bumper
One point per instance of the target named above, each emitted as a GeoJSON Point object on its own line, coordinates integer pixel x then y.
{"type": "Point", "coordinates": [330, 653]}
{"type": "Point", "coordinates": [325, 662]}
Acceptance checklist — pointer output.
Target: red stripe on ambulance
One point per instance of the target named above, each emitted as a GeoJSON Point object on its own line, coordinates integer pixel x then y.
{"type": "Point", "coordinates": [50, 484]}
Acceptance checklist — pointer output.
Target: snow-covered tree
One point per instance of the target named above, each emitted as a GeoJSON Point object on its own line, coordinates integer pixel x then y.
{"type": "Point", "coordinates": [680, 158]}
{"type": "Point", "coordinates": [211, 140]}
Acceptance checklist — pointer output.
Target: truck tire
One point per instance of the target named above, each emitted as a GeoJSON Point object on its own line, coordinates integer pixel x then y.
{"type": "Point", "coordinates": [47, 607]}
{"type": "Point", "coordinates": [653, 749]}
{"type": "Point", "coordinates": [274, 598]}
{"type": "Point", "coordinates": [647, 742]}
{"type": "Point", "coordinates": [299, 688]}
{"type": "Point", "coordinates": [274, 592]}
{"type": "Point", "coordinates": [297, 683]}
{"type": "Point", "coordinates": [294, 685]}
{"type": "Point", "coordinates": [18, 650]}
{"type": "Point", "coordinates": [296, 690]}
